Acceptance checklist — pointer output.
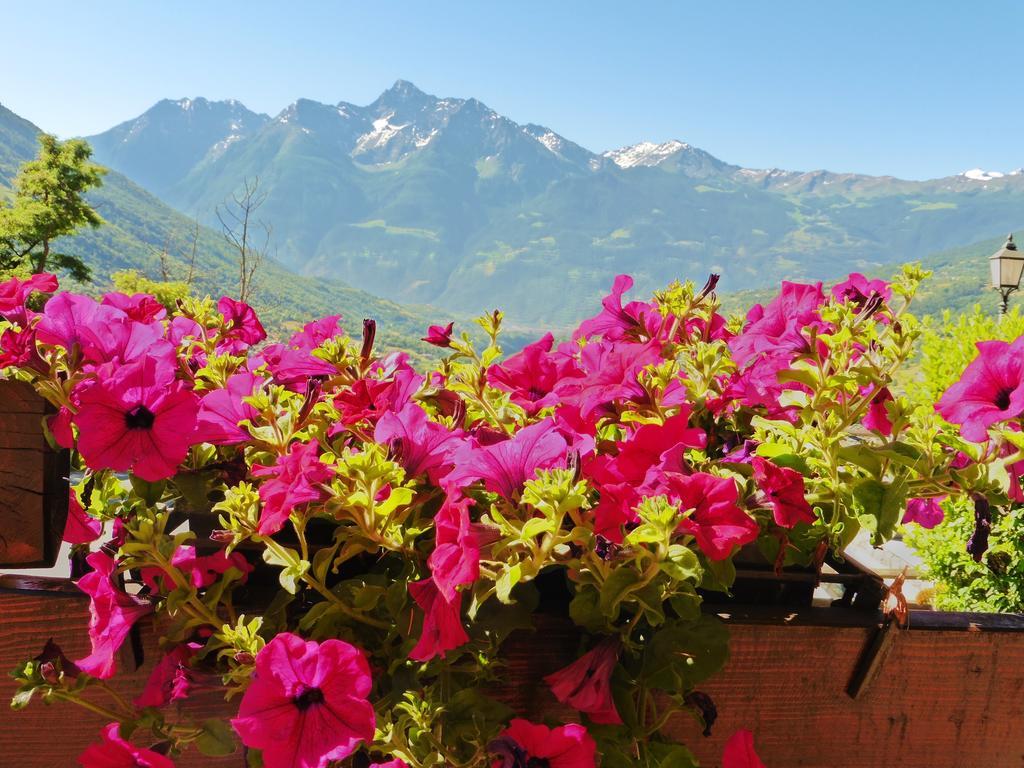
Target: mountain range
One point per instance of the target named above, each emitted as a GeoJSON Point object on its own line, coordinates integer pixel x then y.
{"type": "Point", "coordinates": [137, 227]}
{"type": "Point", "coordinates": [443, 201]}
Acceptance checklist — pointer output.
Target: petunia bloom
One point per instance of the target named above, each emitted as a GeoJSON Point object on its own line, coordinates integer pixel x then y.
{"type": "Point", "coordinates": [222, 410]}
{"type": "Point", "coordinates": [420, 445]}
{"type": "Point", "coordinates": [528, 744]}
{"type": "Point", "coordinates": [112, 613]}
{"type": "Point", "coordinates": [306, 706]}
{"type": "Point", "coordinates": [140, 307]}
{"type": "Point", "coordinates": [138, 418]}
{"type": "Point", "coordinates": [115, 752]}
{"type": "Point", "coordinates": [779, 326]}
{"type": "Point", "coordinates": [455, 560]}
{"type": "Point", "coordinates": [739, 751]}
{"type": "Point", "coordinates": [243, 327]}
{"type": "Point", "coordinates": [80, 527]}
{"type": "Point", "coordinates": [989, 391]}
{"type": "Point", "coordinates": [200, 570]}
{"type": "Point", "coordinates": [784, 490]}
{"type": "Point", "coordinates": [170, 679]}
{"type": "Point", "coordinates": [506, 465]}
{"type": "Point", "coordinates": [439, 335]}
{"type": "Point", "coordinates": [532, 374]}
{"type": "Point", "coordinates": [442, 621]}
{"type": "Point", "coordinates": [585, 685]}
{"type": "Point", "coordinates": [616, 321]}
{"type": "Point", "coordinates": [925, 512]}
{"type": "Point", "coordinates": [294, 482]}
{"type": "Point", "coordinates": [15, 292]}
{"type": "Point", "coordinates": [717, 522]}
{"type": "Point", "coordinates": [857, 289]}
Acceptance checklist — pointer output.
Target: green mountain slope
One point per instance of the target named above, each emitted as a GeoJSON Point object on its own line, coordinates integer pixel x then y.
{"type": "Point", "coordinates": [138, 226]}
{"type": "Point", "coordinates": [446, 202]}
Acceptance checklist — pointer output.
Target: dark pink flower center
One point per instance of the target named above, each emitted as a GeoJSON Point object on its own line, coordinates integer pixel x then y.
{"type": "Point", "coordinates": [308, 698]}
{"type": "Point", "coordinates": [139, 417]}
{"type": "Point", "coordinates": [1002, 400]}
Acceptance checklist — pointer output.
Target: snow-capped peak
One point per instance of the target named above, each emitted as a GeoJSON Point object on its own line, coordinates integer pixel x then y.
{"type": "Point", "coordinates": [976, 174]}
{"type": "Point", "coordinates": [646, 153]}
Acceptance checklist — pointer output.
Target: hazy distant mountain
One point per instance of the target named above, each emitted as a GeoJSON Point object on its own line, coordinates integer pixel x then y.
{"type": "Point", "coordinates": [137, 226]}
{"type": "Point", "coordinates": [444, 201]}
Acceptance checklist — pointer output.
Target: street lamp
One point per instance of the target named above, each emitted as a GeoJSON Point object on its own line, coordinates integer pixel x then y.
{"type": "Point", "coordinates": [1007, 265]}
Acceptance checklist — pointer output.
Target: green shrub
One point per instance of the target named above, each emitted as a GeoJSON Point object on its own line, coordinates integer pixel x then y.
{"type": "Point", "coordinates": [994, 585]}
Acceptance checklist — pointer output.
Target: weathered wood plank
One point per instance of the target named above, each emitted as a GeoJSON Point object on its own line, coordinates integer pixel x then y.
{"type": "Point", "coordinates": [944, 697]}
{"type": "Point", "coordinates": [33, 484]}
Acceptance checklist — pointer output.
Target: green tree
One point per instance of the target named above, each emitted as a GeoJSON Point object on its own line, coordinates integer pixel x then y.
{"type": "Point", "coordinates": [49, 203]}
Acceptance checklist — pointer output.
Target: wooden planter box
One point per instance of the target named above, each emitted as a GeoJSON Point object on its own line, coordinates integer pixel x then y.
{"type": "Point", "coordinates": [947, 691]}
{"type": "Point", "coordinates": [33, 484]}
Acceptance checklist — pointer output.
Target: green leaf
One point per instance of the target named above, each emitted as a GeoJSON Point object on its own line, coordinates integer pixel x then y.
{"type": "Point", "coordinates": [616, 588]}
{"type": "Point", "coordinates": [506, 581]}
{"type": "Point", "coordinates": [217, 739]}
{"type": "Point", "coordinates": [149, 492]}
{"type": "Point", "coordinates": [535, 526]}
{"type": "Point", "coordinates": [682, 654]}
{"type": "Point", "coordinates": [585, 610]}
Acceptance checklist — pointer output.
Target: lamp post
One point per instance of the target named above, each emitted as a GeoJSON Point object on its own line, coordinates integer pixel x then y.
{"type": "Point", "coordinates": [1006, 265]}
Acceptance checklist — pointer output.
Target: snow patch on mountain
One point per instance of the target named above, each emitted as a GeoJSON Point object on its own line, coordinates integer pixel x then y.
{"type": "Point", "coordinates": [646, 153]}
{"type": "Point", "coordinates": [976, 174]}
{"type": "Point", "coordinates": [383, 132]}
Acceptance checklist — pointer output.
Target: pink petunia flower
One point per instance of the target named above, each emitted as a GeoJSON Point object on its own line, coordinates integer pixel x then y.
{"type": "Point", "coordinates": [739, 751]}
{"type": "Point", "coordinates": [140, 307]}
{"type": "Point", "coordinates": [15, 292]}
{"type": "Point", "coordinates": [137, 418]}
{"type": "Point", "coordinates": [243, 326]}
{"type": "Point", "coordinates": [779, 326]}
{"type": "Point", "coordinates": [532, 375]}
{"type": "Point", "coordinates": [295, 481]}
{"type": "Point", "coordinates": [442, 621]}
{"type": "Point", "coordinates": [528, 744]}
{"type": "Point", "coordinates": [80, 527]}
{"type": "Point", "coordinates": [370, 398]}
{"type": "Point", "coordinates": [857, 289]}
{"type": "Point", "coordinates": [70, 319]}
{"type": "Point", "coordinates": [420, 445]}
{"type": "Point", "coordinates": [925, 512]}
{"type": "Point", "coordinates": [455, 560]}
{"type": "Point", "coordinates": [506, 465]}
{"type": "Point", "coordinates": [221, 411]}
{"type": "Point", "coordinates": [615, 321]}
{"type": "Point", "coordinates": [585, 685]}
{"type": "Point", "coordinates": [439, 335]}
{"type": "Point", "coordinates": [115, 752]}
{"type": "Point", "coordinates": [611, 373]}
{"type": "Point", "coordinates": [989, 391]}
{"type": "Point", "coordinates": [717, 522]}
{"type": "Point", "coordinates": [170, 679]}
{"type": "Point", "coordinates": [877, 416]}
{"type": "Point", "coordinates": [306, 705]}
{"type": "Point", "coordinates": [784, 490]}
{"type": "Point", "coordinates": [201, 570]}
{"type": "Point", "coordinates": [112, 613]}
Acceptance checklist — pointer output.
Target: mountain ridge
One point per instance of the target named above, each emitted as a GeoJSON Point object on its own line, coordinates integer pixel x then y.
{"type": "Point", "coordinates": [444, 201]}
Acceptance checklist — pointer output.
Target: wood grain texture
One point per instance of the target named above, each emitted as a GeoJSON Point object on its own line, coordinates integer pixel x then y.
{"type": "Point", "coordinates": [33, 485]}
{"type": "Point", "coordinates": [945, 698]}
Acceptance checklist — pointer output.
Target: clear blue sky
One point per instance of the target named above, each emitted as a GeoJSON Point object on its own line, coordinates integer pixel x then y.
{"type": "Point", "coordinates": [913, 89]}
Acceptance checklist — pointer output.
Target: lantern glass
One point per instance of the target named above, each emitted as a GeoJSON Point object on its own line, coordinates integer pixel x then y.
{"type": "Point", "coordinates": [1007, 268]}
